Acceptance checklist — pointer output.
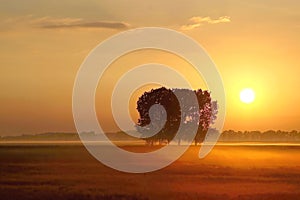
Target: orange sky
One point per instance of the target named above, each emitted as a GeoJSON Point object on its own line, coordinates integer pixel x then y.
{"type": "Point", "coordinates": [254, 44]}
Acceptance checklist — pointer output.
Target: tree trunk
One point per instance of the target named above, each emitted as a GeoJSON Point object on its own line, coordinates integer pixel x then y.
{"type": "Point", "coordinates": [179, 141]}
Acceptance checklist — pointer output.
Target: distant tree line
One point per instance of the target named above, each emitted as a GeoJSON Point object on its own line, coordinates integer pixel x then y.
{"type": "Point", "coordinates": [226, 136]}
{"type": "Point", "coordinates": [258, 136]}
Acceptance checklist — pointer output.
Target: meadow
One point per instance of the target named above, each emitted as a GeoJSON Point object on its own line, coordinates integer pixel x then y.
{"type": "Point", "coordinates": [231, 171]}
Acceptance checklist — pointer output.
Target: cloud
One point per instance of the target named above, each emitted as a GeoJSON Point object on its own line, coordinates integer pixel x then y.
{"type": "Point", "coordinates": [57, 23]}
{"type": "Point", "coordinates": [196, 22]}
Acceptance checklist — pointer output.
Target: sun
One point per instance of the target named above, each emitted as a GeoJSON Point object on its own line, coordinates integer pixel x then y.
{"type": "Point", "coordinates": [247, 95]}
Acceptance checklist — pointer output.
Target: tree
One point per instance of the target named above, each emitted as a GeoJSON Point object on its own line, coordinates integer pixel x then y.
{"type": "Point", "coordinates": [205, 113]}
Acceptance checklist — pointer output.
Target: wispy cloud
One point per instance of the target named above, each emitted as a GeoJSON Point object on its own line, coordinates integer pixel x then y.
{"type": "Point", "coordinates": [196, 22]}
{"type": "Point", "coordinates": [59, 23]}
{"type": "Point", "coordinates": [54, 23]}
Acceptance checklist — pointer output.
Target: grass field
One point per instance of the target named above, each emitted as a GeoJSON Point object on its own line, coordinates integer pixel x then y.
{"type": "Point", "coordinates": [58, 171]}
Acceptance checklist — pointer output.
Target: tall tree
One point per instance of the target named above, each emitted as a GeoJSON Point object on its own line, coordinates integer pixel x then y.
{"type": "Point", "coordinates": [205, 114]}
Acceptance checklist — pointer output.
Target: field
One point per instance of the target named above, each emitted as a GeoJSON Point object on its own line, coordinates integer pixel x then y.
{"type": "Point", "coordinates": [68, 171]}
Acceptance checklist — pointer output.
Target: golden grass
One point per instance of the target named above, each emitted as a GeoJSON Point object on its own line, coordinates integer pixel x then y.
{"type": "Point", "coordinates": [228, 172]}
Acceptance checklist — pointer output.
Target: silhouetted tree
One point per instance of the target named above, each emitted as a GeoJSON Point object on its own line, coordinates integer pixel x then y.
{"type": "Point", "coordinates": [205, 113]}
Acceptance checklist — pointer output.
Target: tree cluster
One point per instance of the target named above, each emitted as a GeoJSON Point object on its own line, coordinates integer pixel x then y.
{"type": "Point", "coordinates": [186, 116]}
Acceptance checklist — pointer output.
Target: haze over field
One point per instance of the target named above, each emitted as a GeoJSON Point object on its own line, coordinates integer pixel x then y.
{"type": "Point", "coordinates": [229, 172]}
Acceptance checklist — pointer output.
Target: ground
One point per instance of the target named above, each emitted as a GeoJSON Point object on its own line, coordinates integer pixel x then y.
{"type": "Point", "coordinates": [58, 171]}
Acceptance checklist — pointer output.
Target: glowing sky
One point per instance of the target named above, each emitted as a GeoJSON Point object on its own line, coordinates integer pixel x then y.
{"type": "Point", "coordinates": [255, 44]}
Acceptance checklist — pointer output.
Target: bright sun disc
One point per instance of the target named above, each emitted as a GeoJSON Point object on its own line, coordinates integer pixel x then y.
{"type": "Point", "coordinates": [247, 95]}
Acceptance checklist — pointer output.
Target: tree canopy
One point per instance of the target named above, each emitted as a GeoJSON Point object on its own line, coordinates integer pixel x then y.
{"type": "Point", "coordinates": [203, 115]}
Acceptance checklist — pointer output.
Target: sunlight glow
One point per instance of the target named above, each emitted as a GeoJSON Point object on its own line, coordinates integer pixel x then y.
{"type": "Point", "coordinates": [247, 95]}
